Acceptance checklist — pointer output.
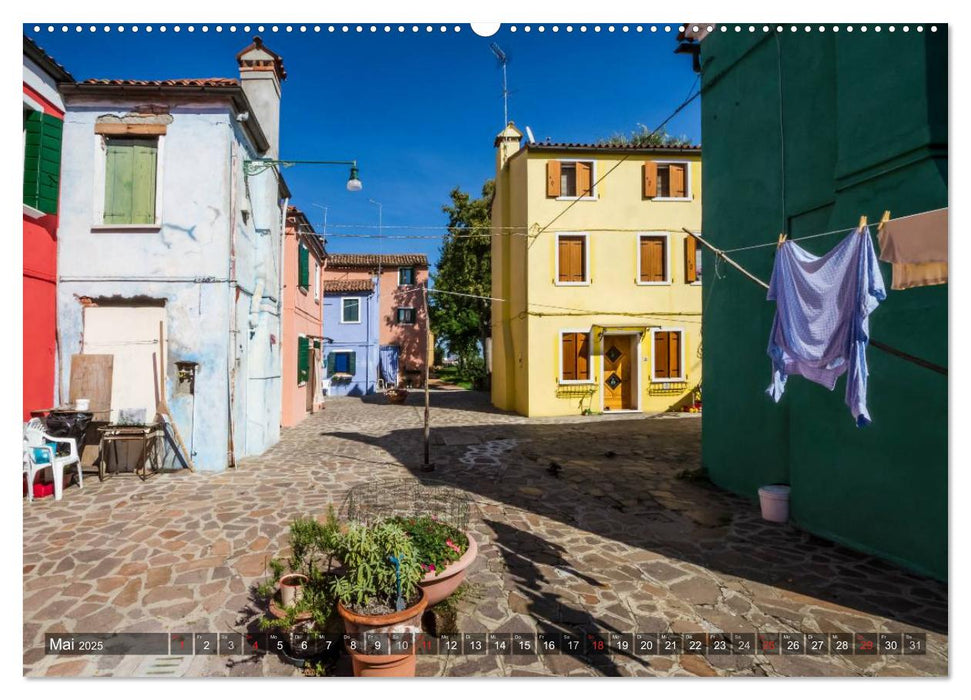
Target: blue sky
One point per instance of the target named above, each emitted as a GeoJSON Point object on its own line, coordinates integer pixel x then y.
{"type": "Point", "coordinates": [419, 111]}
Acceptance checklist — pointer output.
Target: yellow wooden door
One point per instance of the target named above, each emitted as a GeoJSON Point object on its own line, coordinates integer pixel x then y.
{"type": "Point", "coordinates": [617, 375]}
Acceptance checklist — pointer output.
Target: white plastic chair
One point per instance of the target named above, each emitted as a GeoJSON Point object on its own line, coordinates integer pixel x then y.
{"type": "Point", "coordinates": [39, 454]}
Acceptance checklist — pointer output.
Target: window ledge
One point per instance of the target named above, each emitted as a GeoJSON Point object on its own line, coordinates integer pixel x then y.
{"type": "Point", "coordinates": [126, 228]}
{"type": "Point", "coordinates": [672, 380]}
{"type": "Point", "coordinates": [33, 213]}
{"type": "Point", "coordinates": [671, 199]}
{"type": "Point", "coordinates": [666, 283]}
{"type": "Point", "coordinates": [578, 382]}
{"type": "Point", "coordinates": [572, 284]}
{"type": "Point", "coordinates": [593, 198]}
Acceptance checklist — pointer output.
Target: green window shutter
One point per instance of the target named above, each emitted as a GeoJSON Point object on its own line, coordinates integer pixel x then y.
{"type": "Point", "coordinates": [303, 359]}
{"type": "Point", "coordinates": [304, 268]}
{"type": "Point", "coordinates": [331, 364]}
{"type": "Point", "coordinates": [130, 179]}
{"type": "Point", "coordinates": [143, 182]}
{"type": "Point", "coordinates": [352, 363]}
{"type": "Point", "coordinates": [42, 161]}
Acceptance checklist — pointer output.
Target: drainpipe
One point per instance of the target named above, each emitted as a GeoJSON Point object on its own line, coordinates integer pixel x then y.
{"type": "Point", "coordinates": [232, 289]}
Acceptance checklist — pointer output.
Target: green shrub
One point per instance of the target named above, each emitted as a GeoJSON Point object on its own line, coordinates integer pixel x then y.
{"type": "Point", "coordinates": [369, 575]}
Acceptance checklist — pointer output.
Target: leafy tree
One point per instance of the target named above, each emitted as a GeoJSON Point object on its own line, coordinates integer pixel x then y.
{"type": "Point", "coordinates": [642, 136]}
{"type": "Point", "coordinates": [464, 266]}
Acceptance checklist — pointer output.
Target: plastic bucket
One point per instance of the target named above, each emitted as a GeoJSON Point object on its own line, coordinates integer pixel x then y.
{"type": "Point", "coordinates": [774, 500]}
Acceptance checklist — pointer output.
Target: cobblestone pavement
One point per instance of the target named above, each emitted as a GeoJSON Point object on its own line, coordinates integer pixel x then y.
{"type": "Point", "coordinates": [615, 542]}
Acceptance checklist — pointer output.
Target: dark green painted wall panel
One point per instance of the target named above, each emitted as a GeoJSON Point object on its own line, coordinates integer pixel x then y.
{"type": "Point", "coordinates": [865, 123]}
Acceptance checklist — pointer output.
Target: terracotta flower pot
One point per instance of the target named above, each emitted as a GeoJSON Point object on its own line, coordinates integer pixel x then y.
{"type": "Point", "coordinates": [291, 588]}
{"type": "Point", "coordinates": [397, 396]}
{"type": "Point", "coordinates": [438, 588]}
{"type": "Point", "coordinates": [407, 621]}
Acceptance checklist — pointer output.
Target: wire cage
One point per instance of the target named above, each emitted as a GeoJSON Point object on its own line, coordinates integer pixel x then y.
{"type": "Point", "coordinates": [376, 501]}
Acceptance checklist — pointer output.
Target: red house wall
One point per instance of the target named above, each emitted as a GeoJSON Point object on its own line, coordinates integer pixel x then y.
{"type": "Point", "coordinates": [40, 299]}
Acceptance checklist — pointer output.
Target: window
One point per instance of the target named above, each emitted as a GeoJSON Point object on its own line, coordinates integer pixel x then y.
{"type": "Point", "coordinates": [350, 310]}
{"type": "Point", "coordinates": [303, 359]}
{"type": "Point", "coordinates": [668, 355]}
{"type": "Point", "coordinates": [574, 356]}
{"type": "Point", "coordinates": [406, 315]}
{"type": "Point", "coordinates": [130, 180]}
{"type": "Point", "coordinates": [569, 178]}
{"type": "Point", "coordinates": [571, 259]}
{"type": "Point", "coordinates": [406, 276]}
{"type": "Point", "coordinates": [666, 180]}
{"type": "Point", "coordinates": [692, 261]}
{"type": "Point", "coordinates": [303, 267]}
{"type": "Point", "coordinates": [341, 362]}
{"type": "Point", "coordinates": [653, 260]}
{"type": "Point", "coordinates": [42, 160]}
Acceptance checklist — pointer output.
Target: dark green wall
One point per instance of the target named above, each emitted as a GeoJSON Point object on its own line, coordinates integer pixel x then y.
{"type": "Point", "coordinates": [865, 129]}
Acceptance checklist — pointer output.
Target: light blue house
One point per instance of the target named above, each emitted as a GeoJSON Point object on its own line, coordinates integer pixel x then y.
{"type": "Point", "coordinates": [169, 251]}
{"type": "Point", "coordinates": [350, 336]}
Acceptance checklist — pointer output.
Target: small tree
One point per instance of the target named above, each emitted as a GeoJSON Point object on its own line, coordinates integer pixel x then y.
{"type": "Point", "coordinates": [464, 266]}
{"type": "Point", "coordinates": [644, 137]}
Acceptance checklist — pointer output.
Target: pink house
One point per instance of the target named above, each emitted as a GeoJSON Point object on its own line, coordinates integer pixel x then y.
{"type": "Point", "coordinates": [402, 322]}
{"type": "Point", "coordinates": [302, 322]}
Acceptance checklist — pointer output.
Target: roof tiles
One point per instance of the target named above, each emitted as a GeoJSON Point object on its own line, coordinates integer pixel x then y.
{"type": "Point", "coordinates": [176, 82]}
{"type": "Point", "coordinates": [355, 260]}
{"type": "Point", "coordinates": [347, 286]}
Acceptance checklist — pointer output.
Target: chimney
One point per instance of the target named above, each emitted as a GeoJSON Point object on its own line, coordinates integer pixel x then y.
{"type": "Point", "coordinates": [506, 143]}
{"type": "Point", "coordinates": [260, 73]}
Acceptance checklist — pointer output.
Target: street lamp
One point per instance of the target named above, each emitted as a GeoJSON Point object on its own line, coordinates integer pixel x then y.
{"type": "Point", "coordinates": [255, 167]}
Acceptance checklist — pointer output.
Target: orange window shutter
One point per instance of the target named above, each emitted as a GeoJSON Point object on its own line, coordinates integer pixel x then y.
{"type": "Point", "coordinates": [645, 260]}
{"type": "Point", "coordinates": [650, 179]}
{"type": "Point", "coordinates": [690, 254]}
{"type": "Point", "coordinates": [569, 343]}
{"type": "Point", "coordinates": [563, 259]}
{"type": "Point", "coordinates": [652, 260]}
{"type": "Point", "coordinates": [579, 260]}
{"type": "Point", "coordinates": [553, 178]}
{"type": "Point", "coordinates": [660, 260]}
{"type": "Point", "coordinates": [584, 172]}
{"type": "Point", "coordinates": [674, 354]}
{"type": "Point", "coordinates": [677, 180]}
{"type": "Point", "coordinates": [583, 356]}
{"type": "Point", "coordinates": [661, 369]}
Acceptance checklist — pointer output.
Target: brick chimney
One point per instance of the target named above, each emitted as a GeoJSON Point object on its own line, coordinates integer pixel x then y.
{"type": "Point", "coordinates": [261, 72]}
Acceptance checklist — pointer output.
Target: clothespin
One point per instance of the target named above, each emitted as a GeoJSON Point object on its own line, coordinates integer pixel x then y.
{"type": "Point", "coordinates": [862, 225]}
{"type": "Point", "coordinates": [883, 220]}
{"type": "Point", "coordinates": [782, 239]}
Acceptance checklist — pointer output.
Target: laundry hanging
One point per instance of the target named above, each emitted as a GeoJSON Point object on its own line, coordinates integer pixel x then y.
{"type": "Point", "coordinates": [916, 246]}
{"type": "Point", "coordinates": [821, 326]}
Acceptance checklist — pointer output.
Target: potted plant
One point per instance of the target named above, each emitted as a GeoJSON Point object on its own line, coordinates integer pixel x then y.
{"type": "Point", "coordinates": [299, 595]}
{"type": "Point", "coordinates": [444, 552]}
{"type": "Point", "coordinates": [397, 395]}
{"type": "Point", "coordinates": [378, 591]}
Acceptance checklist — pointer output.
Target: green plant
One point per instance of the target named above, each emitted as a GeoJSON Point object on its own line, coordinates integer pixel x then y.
{"type": "Point", "coordinates": [438, 544]}
{"type": "Point", "coordinates": [311, 554]}
{"type": "Point", "coordinates": [369, 578]}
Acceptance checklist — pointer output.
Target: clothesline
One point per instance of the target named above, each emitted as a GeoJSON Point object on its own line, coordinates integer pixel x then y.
{"type": "Point", "coordinates": [819, 235]}
{"type": "Point", "coordinates": [875, 343]}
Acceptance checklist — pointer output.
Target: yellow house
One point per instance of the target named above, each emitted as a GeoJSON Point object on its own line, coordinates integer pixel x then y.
{"type": "Point", "coordinates": [597, 288]}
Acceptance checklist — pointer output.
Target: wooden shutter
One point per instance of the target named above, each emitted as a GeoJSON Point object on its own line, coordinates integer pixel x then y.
{"type": "Point", "coordinates": [583, 356]}
{"type": "Point", "coordinates": [690, 255]}
{"type": "Point", "coordinates": [352, 363]}
{"type": "Point", "coordinates": [331, 363]}
{"type": "Point", "coordinates": [42, 161]}
{"type": "Point", "coordinates": [584, 181]}
{"type": "Point", "coordinates": [674, 354]}
{"type": "Point", "coordinates": [650, 179]}
{"type": "Point", "coordinates": [677, 180]}
{"type": "Point", "coordinates": [653, 259]}
{"type": "Point", "coordinates": [144, 164]}
{"type": "Point", "coordinates": [572, 258]}
{"type": "Point", "coordinates": [553, 178]}
{"type": "Point", "coordinates": [303, 359]}
{"type": "Point", "coordinates": [662, 369]}
{"type": "Point", "coordinates": [303, 273]}
{"type": "Point", "coordinates": [569, 341]}
{"type": "Point", "coordinates": [119, 170]}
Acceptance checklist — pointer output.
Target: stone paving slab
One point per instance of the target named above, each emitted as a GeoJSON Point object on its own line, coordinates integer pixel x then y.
{"type": "Point", "coordinates": [611, 540]}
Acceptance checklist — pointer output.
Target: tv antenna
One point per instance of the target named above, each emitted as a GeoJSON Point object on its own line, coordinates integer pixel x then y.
{"type": "Point", "coordinates": [503, 59]}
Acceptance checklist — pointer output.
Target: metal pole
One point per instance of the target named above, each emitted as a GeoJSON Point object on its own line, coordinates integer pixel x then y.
{"type": "Point", "coordinates": [427, 466]}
